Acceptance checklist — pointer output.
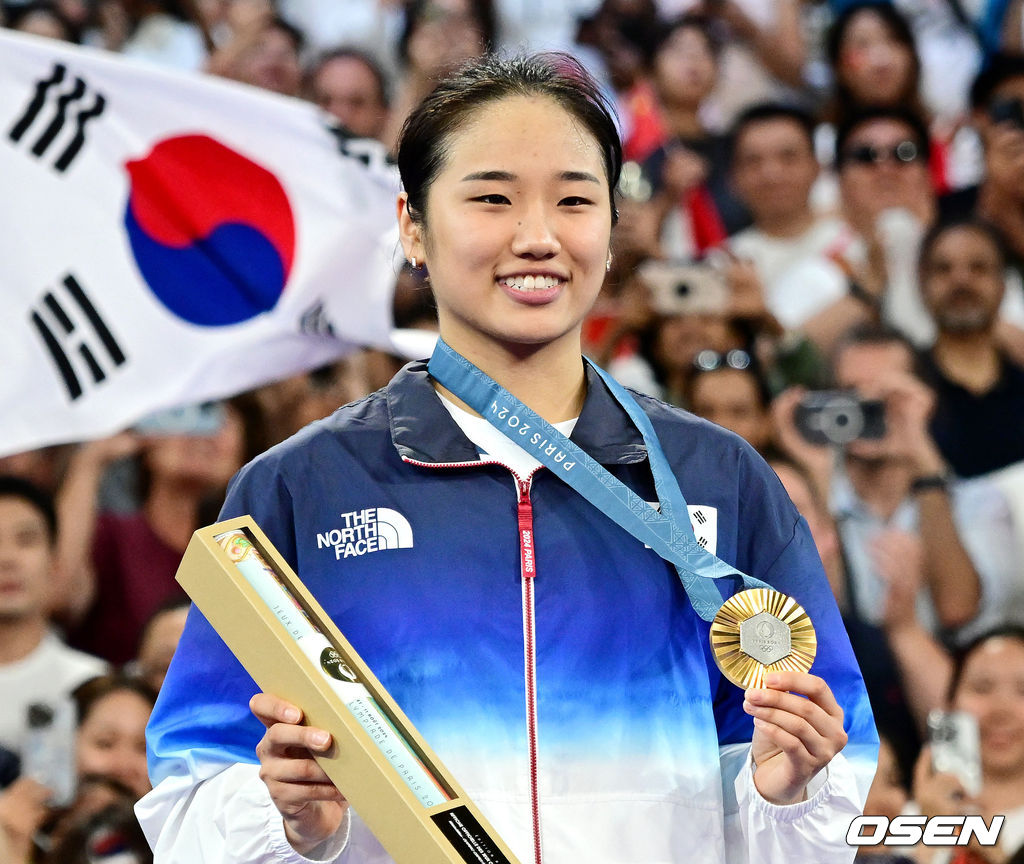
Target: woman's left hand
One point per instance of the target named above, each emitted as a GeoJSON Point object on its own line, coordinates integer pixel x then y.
{"type": "Point", "coordinates": [794, 737]}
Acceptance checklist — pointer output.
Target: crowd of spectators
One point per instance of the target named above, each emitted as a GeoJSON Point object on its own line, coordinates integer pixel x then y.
{"type": "Point", "coordinates": [820, 248]}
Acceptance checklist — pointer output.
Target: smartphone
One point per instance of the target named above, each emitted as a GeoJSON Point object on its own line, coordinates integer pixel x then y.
{"type": "Point", "coordinates": [685, 287]}
{"type": "Point", "coordinates": [48, 756]}
{"type": "Point", "coordinates": [956, 747]}
{"type": "Point", "coordinates": [839, 417]}
{"type": "Point", "coordinates": [205, 418]}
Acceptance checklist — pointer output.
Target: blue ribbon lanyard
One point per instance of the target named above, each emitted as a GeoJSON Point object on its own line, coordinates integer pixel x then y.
{"type": "Point", "coordinates": [667, 532]}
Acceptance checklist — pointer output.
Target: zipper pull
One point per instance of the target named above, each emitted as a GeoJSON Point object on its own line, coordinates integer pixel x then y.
{"type": "Point", "coordinates": [525, 512]}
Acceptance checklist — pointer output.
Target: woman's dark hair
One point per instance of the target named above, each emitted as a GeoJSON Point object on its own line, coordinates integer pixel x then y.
{"type": "Point", "coordinates": [423, 145]}
{"type": "Point", "coordinates": [899, 30]}
{"type": "Point", "coordinates": [87, 694]}
{"type": "Point", "coordinates": [962, 655]}
{"type": "Point", "coordinates": [482, 10]}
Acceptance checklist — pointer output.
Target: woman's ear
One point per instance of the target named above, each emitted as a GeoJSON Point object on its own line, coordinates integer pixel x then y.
{"type": "Point", "coordinates": [410, 232]}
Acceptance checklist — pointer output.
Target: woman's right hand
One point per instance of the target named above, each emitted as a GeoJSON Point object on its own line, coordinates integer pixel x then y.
{"type": "Point", "coordinates": [310, 804]}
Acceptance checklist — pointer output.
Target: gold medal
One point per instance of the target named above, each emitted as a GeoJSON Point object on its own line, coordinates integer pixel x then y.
{"type": "Point", "coordinates": [759, 631]}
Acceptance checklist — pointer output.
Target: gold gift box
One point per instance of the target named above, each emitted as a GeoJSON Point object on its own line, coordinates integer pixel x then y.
{"type": "Point", "coordinates": [452, 831]}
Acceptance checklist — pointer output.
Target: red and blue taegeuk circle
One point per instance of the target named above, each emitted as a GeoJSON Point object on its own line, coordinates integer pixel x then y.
{"type": "Point", "coordinates": [212, 232]}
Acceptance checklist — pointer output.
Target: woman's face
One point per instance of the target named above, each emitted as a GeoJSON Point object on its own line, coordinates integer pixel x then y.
{"type": "Point", "coordinates": [447, 34]}
{"type": "Point", "coordinates": [875, 67]}
{"type": "Point", "coordinates": [112, 740]}
{"type": "Point", "coordinates": [729, 397]}
{"type": "Point", "coordinates": [992, 689]}
{"type": "Point", "coordinates": [517, 228]}
{"type": "Point", "coordinates": [684, 67]}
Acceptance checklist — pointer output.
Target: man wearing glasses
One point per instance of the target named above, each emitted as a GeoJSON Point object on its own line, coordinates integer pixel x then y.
{"type": "Point", "coordinates": [887, 196]}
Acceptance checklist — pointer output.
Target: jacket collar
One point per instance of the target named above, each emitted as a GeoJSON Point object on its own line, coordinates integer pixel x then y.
{"type": "Point", "coordinates": [422, 429]}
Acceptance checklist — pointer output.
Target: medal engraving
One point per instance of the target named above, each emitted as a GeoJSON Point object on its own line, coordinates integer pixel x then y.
{"type": "Point", "coordinates": [765, 638]}
{"type": "Point", "coordinates": [758, 631]}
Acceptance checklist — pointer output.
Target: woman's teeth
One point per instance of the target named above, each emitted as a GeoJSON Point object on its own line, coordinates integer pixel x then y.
{"type": "Point", "coordinates": [530, 283]}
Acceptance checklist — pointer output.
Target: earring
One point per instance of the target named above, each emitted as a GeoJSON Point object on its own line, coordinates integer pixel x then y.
{"type": "Point", "coordinates": [608, 263]}
{"type": "Point", "coordinates": [412, 261]}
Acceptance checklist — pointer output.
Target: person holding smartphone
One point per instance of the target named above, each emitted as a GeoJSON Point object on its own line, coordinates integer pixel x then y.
{"type": "Point", "coordinates": [986, 690]}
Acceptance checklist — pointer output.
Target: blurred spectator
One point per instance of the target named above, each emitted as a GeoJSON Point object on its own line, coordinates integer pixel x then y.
{"type": "Point", "coordinates": [892, 504]}
{"type": "Point", "coordinates": [887, 197]}
{"type": "Point", "coordinates": [22, 811]}
{"type": "Point", "coordinates": [111, 740]}
{"type": "Point", "coordinates": [887, 797]}
{"type": "Point", "coordinates": [350, 86]}
{"type": "Point", "coordinates": [979, 419]}
{"type": "Point", "coordinates": [263, 51]}
{"type": "Point", "coordinates": [371, 24]}
{"type": "Point", "coordinates": [42, 18]}
{"type": "Point", "coordinates": [689, 169]}
{"type": "Point", "coordinates": [944, 38]}
{"type": "Point", "coordinates": [159, 640]}
{"type": "Point", "coordinates": [35, 665]}
{"type": "Point", "coordinates": [117, 569]}
{"type": "Point", "coordinates": [997, 101]}
{"type": "Point", "coordinates": [437, 37]}
{"type": "Point", "coordinates": [874, 60]}
{"type": "Point", "coordinates": [889, 703]}
{"type": "Point", "coordinates": [111, 834]}
{"type": "Point", "coordinates": [43, 467]}
{"type": "Point", "coordinates": [622, 35]}
{"type": "Point", "coordinates": [728, 389]}
{"type": "Point", "coordinates": [155, 31]}
{"type": "Point", "coordinates": [549, 25]}
{"type": "Point", "coordinates": [110, 772]}
{"type": "Point", "coordinates": [802, 258]}
{"type": "Point", "coordinates": [764, 52]}
{"type": "Point", "coordinates": [987, 682]}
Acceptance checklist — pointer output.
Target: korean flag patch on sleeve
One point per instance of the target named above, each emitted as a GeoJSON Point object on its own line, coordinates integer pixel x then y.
{"type": "Point", "coordinates": [704, 520]}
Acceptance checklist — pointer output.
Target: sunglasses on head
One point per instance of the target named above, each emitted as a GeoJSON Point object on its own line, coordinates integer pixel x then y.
{"type": "Point", "coordinates": [867, 154]}
{"type": "Point", "coordinates": [708, 360]}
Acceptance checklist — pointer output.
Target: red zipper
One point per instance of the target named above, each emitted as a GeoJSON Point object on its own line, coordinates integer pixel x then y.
{"type": "Point", "coordinates": [528, 562]}
{"type": "Point", "coordinates": [528, 567]}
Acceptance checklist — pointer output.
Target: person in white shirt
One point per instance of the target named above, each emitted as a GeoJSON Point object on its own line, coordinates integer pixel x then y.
{"type": "Point", "coordinates": [36, 667]}
{"type": "Point", "coordinates": [804, 259]}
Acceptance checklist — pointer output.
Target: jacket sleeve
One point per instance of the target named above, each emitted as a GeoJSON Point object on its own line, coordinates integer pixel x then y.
{"type": "Point", "coordinates": [228, 819]}
{"type": "Point", "coordinates": [208, 803]}
{"type": "Point", "coordinates": [776, 547]}
{"type": "Point", "coordinates": [812, 830]}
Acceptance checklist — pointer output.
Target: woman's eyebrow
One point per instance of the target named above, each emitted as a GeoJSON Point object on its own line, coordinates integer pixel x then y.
{"type": "Point", "coordinates": [509, 177]}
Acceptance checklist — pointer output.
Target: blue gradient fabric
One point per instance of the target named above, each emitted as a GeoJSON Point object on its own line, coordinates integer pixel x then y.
{"type": "Point", "coordinates": [632, 711]}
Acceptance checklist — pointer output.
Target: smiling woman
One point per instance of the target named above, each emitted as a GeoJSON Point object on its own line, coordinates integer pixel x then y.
{"type": "Point", "coordinates": [556, 664]}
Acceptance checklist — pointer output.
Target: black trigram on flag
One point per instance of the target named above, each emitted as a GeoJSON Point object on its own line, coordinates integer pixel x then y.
{"type": "Point", "coordinates": [76, 337]}
{"type": "Point", "coordinates": [51, 104]}
{"type": "Point", "coordinates": [699, 517]}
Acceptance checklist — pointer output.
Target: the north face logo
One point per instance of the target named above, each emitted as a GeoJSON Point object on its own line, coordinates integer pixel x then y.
{"type": "Point", "coordinates": [369, 530]}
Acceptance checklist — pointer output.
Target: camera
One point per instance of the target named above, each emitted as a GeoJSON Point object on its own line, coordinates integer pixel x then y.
{"type": "Point", "coordinates": [685, 287]}
{"type": "Point", "coordinates": [839, 417]}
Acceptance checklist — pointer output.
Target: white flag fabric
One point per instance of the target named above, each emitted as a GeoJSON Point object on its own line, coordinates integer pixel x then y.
{"type": "Point", "coordinates": [169, 238]}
